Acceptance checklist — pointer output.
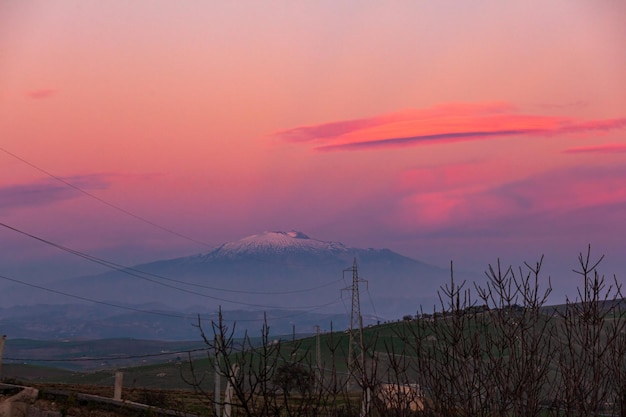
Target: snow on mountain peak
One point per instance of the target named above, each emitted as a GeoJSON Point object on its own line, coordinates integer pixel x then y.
{"type": "Point", "coordinates": [295, 234]}
{"type": "Point", "coordinates": [277, 242]}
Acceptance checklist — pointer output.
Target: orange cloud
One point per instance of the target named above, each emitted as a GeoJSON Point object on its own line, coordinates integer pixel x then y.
{"type": "Point", "coordinates": [441, 124]}
{"type": "Point", "coordinates": [335, 129]}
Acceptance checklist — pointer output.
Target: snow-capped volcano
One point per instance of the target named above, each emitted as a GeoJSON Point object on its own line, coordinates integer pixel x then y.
{"type": "Point", "coordinates": [276, 243]}
{"type": "Point", "coordinates": [270, 270]}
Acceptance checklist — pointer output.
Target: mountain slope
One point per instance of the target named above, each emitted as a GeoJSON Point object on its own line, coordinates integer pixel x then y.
{"type": "Point", "coordinates": [271, 270]}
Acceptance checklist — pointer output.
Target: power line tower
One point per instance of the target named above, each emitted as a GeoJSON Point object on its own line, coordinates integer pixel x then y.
{"type": "Point", "coordinates": [355, 347]}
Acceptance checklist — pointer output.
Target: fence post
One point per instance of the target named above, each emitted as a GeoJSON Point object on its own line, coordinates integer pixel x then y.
{"type": "Point", "coordinates": [228, 395]}
{"type": "Point", "coordinates": [117, 393]}
{"type": "Point", "coordinates": [4, 337]}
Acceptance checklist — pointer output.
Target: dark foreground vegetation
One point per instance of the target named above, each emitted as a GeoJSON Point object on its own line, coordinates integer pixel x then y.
{"type": "Point", "coordinates": [489, 350]}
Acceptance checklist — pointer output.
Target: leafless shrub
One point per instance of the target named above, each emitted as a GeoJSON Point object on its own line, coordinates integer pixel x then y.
{"type": "Point", "coordinates": [491, 350]}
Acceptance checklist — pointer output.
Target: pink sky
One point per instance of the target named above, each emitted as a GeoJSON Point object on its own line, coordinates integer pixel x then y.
{"type": "Point", "coordinates": [441, 130]}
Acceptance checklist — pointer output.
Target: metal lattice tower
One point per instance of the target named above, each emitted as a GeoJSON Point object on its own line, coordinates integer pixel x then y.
{"type": "Point", "coordinates": [356, 323]}
{"type": "Point", "coordinates": [356, 350]}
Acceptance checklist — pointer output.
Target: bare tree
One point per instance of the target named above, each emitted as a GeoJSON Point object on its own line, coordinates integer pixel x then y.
{"type": "Point", "coordinates": [616, 360]}
{"type": "Point", "coordinates": [492, 350]}
{"type": "Point", "coordinates": [588, 334]}
{"type": "Point", "coordinates": [268, 378]}
{"type": "Point", "coordinates": [519, 349]}
{"type": "Point", "coordinates": [449, 355]}
{"type": "Point", "coordinates": [489, 355]}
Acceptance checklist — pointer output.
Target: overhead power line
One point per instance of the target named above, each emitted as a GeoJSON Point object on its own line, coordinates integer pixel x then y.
{"type": "Point", "coordinates": [140, 274]}
{"type": "Point", "coordinates": [157, 313]}
{"type": "Point", "coordinates": [108, 358]}
{"type": "Point", "coordinates": [111, 205]}
{"type": "Point", "coordinates": [91, 300]}
{"type": "Point", "coordinates": [105, 202]}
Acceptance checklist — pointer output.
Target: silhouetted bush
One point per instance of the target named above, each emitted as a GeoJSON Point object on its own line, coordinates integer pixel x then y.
{"type": "Point", "coordinates": [491, 350]}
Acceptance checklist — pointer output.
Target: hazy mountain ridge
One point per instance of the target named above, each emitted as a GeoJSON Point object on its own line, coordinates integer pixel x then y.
{"type": "Point", "coordinates": [285, 271]}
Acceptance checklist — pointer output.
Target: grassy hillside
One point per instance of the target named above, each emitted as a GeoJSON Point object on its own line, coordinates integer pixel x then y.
{"type": "Point", "coordinates": [93, 363]}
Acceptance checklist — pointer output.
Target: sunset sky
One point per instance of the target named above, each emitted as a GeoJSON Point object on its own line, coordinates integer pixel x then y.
{"type": "Point", "coordinates": [443, 130]}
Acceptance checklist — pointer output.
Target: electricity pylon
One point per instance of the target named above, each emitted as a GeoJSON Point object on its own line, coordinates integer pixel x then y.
{"type": "Point", "coordinates": [355, 347]}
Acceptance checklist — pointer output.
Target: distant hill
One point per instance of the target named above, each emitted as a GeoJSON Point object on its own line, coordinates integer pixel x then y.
{"type": "Point", "coordinates": [268, 271]}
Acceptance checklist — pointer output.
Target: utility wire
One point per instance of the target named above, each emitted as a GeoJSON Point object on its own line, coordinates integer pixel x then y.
{"type": "Point", "coordinates": [168, 230]}
{"type": "Point", "coordinates": [106, 203]}
{"type": "Point", "coordinates": [300, 313]}
{"type": "Point", "coordinates": [371, 300]}
{"type": "Point", "coordinates": [157, 313]}
{"type": "Point", "coordinates": [108, 358]}
{"type": "Point", "coordinates": [128, 270]}
{"type": "Point", "coordinates": [138, 274]}
{"type": "Point", "coordinates": [91, 300]}
{"type": "Point", "coordinates": [122, 357]}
